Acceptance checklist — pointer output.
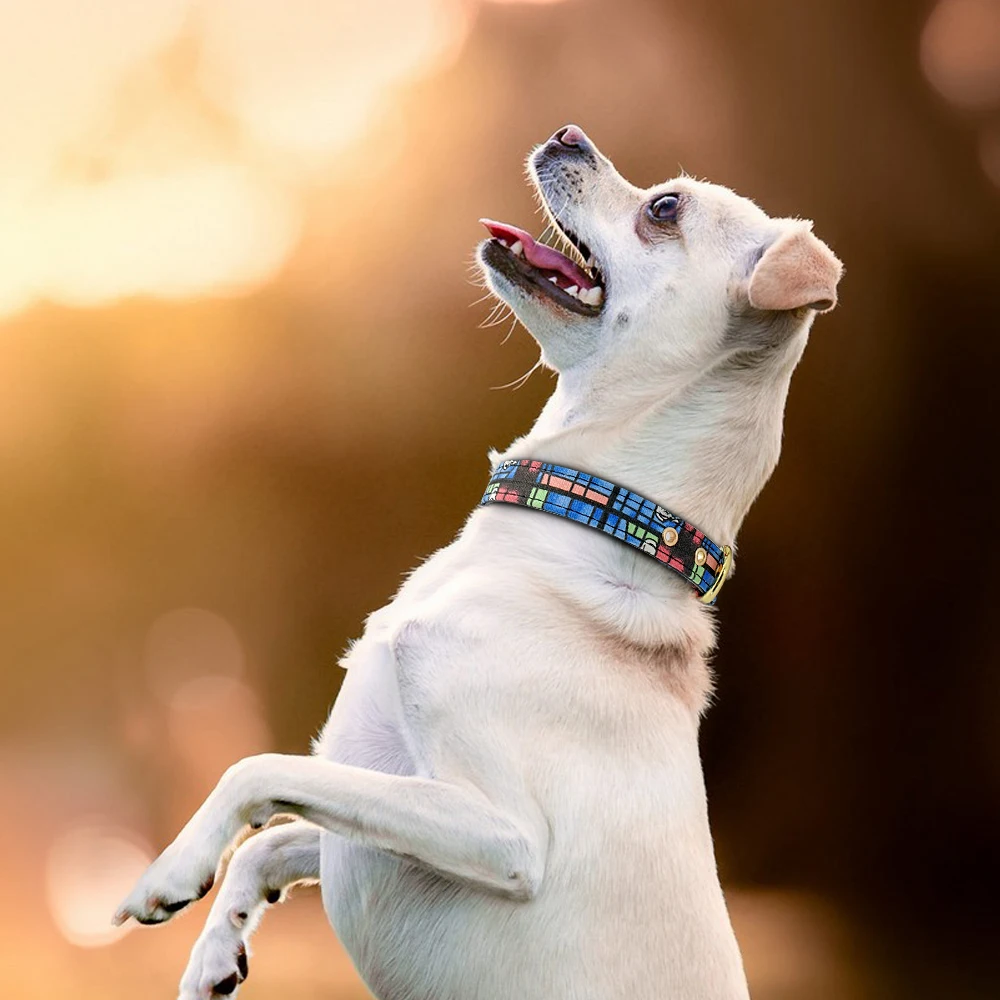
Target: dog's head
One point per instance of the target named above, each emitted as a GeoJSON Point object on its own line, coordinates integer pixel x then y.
{"type": "Point", "coordinates": [665, 283]}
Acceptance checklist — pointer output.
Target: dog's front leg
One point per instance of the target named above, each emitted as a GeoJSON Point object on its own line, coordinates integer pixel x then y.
{"type": "Point", "coordinates": [452, 828]}
{"type": "Point", "coordinates": [259, 872]}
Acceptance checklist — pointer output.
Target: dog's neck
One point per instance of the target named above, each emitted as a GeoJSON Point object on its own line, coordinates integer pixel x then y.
{"type": "Point", "coordinates": [703, 450]}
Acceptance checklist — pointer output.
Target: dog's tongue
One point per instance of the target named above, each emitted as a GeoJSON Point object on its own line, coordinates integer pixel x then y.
{"type": "Point", "coordinates": [540, 255]}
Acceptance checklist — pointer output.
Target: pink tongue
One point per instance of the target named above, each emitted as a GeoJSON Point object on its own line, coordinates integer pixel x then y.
{"type": "Point", "coordinates": [540, 255]}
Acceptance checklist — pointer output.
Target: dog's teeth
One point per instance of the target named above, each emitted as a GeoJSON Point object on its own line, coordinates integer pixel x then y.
{"type": "Point", "coordinates": [504, 243]}
{"type": "Point", "coordinates": [553, 279]}
{"type": "Point", "coordinates": [591, 261]}
{"type": "Point", "coordinates": [517, 249]}
{"type": "Point", "coordinates": [592, 296]}
{"type": "Point", "coordinates": [574, 291]}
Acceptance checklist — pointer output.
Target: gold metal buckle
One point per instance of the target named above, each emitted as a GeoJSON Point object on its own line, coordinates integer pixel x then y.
{"type": "Point", "coordinates": [713, 592]}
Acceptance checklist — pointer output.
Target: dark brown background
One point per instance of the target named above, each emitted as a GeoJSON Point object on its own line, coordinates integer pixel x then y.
{"type": "Point", "coordinates": [279, 458]}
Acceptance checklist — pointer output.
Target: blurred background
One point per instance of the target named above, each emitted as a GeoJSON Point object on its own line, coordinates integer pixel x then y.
{"type": "Point", "coordinates": [234, 277]}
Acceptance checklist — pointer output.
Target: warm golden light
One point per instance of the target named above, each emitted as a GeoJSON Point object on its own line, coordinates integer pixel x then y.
{"type": "Point", "coordinates": [89, 869]}
{"type": "Point", "coordinates": [239, 370]}
{"type": "Point", "coordinates": [165, 148]}
{"type": "Point", "coordinates": [189, 645]}
{"type": "Point", "coordinates": [213, 721]}
{"type": "Point", "coordinates": [792, 942]}
{"type": "Point", "coordinates": [305, 78]}
{"type": "Point", "coordinates": [176, 233]}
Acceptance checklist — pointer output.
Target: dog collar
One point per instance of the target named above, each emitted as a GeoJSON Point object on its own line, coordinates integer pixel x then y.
{"type": "Point", "coordinates": [617, 512]}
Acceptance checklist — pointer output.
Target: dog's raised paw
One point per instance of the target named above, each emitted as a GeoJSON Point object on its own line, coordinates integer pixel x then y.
{"type": "Point", "coordinates": [165, 889]}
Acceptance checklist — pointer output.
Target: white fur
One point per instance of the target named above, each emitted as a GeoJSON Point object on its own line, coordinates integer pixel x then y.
{"type": "Point", "coordinates": [508, 788]}
{"type": "Point", "coordinates": [266, 864]}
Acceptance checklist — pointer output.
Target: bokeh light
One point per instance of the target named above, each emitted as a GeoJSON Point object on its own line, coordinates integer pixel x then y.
{"type": "Point", "coordinates": [90, 869]}
{"type": "Point", "coordinates": [306, 78]}
{"type": "Point", "coordinates": [176, 233]}
{"type": "Point", "coordinates": [214, 721]}
{"type": "Point", "coordinates": [242, 393]}
{"type": "Point", "coordinates": [165, 148]}
{"type": "Point", "coordinates": [960, 51]}
{"type": "Point", "coordinates": [793, 944]}
{"type": "Point", "coordinates": [188, 645]}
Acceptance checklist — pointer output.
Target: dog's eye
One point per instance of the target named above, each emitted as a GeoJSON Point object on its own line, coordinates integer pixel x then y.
{"type": "Point", "coordinates": [665, 209]}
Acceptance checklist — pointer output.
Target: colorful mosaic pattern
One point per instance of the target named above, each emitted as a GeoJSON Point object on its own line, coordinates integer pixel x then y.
{"type": "Point", "coordinates": [615, 510]}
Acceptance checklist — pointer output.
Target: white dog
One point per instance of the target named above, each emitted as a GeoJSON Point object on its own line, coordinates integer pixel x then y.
{"type": "Point", "coordinates": [507, 799]}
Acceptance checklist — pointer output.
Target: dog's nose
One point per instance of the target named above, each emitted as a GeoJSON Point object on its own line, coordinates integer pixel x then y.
{"type": "Point", "coordinates": [570, 135]}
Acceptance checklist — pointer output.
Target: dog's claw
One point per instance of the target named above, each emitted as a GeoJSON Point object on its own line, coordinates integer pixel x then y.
{"type": "Point", "coordinates": [150, 913]}
{"type": "Point", "coordinates": [147, 915]}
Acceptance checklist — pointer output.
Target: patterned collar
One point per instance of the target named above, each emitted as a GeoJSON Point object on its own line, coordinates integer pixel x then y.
{"type": "Point", "coordinates": [617, 512]}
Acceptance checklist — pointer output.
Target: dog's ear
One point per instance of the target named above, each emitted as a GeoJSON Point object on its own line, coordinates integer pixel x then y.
{"type": "Point", "coordinates": [798, 269]}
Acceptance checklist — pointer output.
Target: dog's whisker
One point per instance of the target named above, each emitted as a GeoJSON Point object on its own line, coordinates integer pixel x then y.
{"type": "Point", "coordinates": [497, 321]}
{"type": "Point", "coordinates": [518, 382]}
{"type": "Point", "coordinates": [496, 316]}
{"type": "Point", "coordinates": [510, 332]}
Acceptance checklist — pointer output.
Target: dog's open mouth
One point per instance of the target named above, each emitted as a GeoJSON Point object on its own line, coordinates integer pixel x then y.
{"type": "Point", "coordinates": [578, 287]}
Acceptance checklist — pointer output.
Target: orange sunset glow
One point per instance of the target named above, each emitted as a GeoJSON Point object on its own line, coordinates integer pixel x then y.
{"type": "Point", "coordinates": [167, 148]}
{"type": "Point", "coordinates": [248, 380]}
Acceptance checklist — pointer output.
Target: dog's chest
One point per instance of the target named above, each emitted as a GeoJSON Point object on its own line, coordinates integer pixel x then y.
{"type": "Point", "coordinates": [365, 728]}
{"type": "Point", "coordinates": [504, 701]}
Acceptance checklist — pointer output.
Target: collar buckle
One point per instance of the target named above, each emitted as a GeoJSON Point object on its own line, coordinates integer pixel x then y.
{"type": "Point", "coordinates": [713, 592]}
